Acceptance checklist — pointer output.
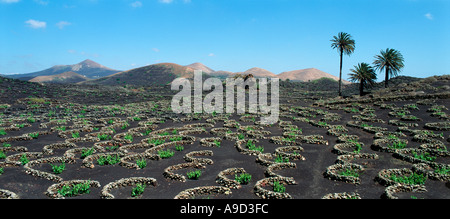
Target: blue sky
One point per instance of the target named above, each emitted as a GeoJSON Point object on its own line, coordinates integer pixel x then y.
{"type": "Point", "coordinates": [233, 35]}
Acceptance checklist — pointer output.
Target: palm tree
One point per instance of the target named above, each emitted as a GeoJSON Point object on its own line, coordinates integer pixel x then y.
{"type": "Point", "coordinates": [364, 74]}
{"type": "Point", "coordinates": [344, 43]}
{"type": "Point", "coordinates": [390, 60]}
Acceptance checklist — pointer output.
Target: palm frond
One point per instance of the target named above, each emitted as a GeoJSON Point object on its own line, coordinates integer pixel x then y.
{"type": "Point", "coordinates": [343, 42]}
{"type": "Point", "coordinates": [389, 58]}
{"type": "Point", "coordinates": [364, 73]}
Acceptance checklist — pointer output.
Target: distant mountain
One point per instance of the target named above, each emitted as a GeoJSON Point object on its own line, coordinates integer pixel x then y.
{"type": "Point", "coordinates": [256, 72]}
{"type": "Point", "coordinates": [87, 68]}
{"type": "Point", "coordinates": [259, 73]}
{"type": "Point", "coordinates": [202, 67]}
{"type": "Point", "coordinates": [63, 78]}
{"type": "Point", "coordinates": [221, 74]}
{"type": "Point", "coordinates": [157, 74]}
{"type": "Point", "coordinates": [309, 74]}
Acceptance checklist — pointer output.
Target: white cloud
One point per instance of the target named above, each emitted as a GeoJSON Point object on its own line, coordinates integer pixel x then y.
{"type": "Point", "coordinates": [83, 53]}
{"type": "Point", "coordinates": [171, 1]}
{"type": "Point", "coordinates": [69, 6]}
{"type": "Point", "coordinates": [95, 55]}
{"type": "Point", "coordinates": [211, 55]}
{"type": "Point", "coordinates": [136, 4]}
{"type": "Point", "coordinates": [429, 16]}
{"type": "Point", "coordinates": [36, 24]}
{"type": "Point", "coordinates": [9, 1]}
{"type": "Point", "coordinates": [62, 24]}
{"type": "Point", "coordinates": [155, 49]}
{"type": "Point", "coordinates": [41, 2]}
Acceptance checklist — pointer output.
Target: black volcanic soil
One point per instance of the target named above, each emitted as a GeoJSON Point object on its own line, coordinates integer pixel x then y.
{"type": "Point", "coordinates": [88, 105]}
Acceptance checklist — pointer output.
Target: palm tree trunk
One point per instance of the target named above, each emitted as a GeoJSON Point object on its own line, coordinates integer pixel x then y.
{"type": "Point", "coordinates": [361, 88]}
{"type": "Point", "coordinates": [340, 74]}
{"type": "Point", "coordinates": [386, 78]}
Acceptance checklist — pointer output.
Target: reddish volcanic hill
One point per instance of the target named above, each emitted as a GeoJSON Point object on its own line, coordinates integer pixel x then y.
{"type": "Point", "coordinates": [259, 73]}
{"type": "Point", "coordinates": [86, 68]}
{"type": "Point", "coordinates": [309, 74]}
{"type": "Point", "coordinates": [157, 74]}
{"type": "Point", "coordinates": [63, 78]}
{"type": "Point", "coordinates": [200, 66]}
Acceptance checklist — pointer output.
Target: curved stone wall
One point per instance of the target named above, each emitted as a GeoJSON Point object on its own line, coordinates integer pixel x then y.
{"type": "Point", "coordinates": [223, 180]}
{"type": "Point", "coordinates": [52, 191]}
{"type": "Point", "coordinates": [106, 191]}
{"type": "Point", "coordinates": [264, 193]}
{"type": "Point", "coordinates": [203, 190]}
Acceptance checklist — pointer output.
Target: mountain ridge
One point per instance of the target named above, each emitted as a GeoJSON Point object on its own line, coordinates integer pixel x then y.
{"type": "Point", "coordinates": [258, 72]}
{"type": "Point", "coordinates": [304, 75]}
{"type": "Point", "coordinates": [308, 74]}
{"type": "Point", "coordinates": [63, 78]}
{"type": "Point", "coordinates": [157, 74]}
{"type": "Point", "coordinates": [200, 66]}
{"type": "Point", "coordinates": [102, 74]}
{"type": "Point", "coordinates": [86, 68]}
